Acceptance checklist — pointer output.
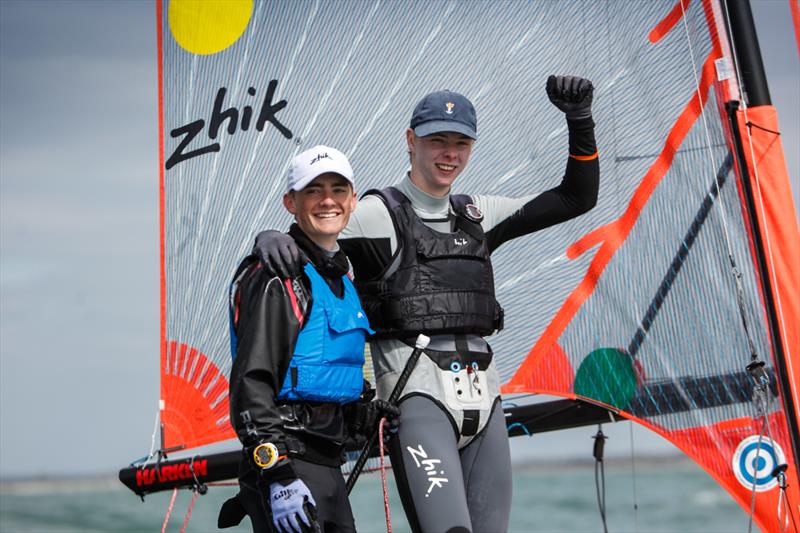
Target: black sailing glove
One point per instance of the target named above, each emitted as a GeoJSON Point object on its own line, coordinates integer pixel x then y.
{"type": "Point", "coordinates": [365, 414]}
{"type": "Point", "coordinates": [279, 254]}
{"type": "Point", "coordinates": [377, 409]}
{"type": "Point", "coordinates": [572, 95]}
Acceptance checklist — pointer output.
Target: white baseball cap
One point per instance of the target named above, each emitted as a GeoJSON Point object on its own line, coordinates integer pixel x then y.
{"type": "Point", "coordinates": [316, 161]}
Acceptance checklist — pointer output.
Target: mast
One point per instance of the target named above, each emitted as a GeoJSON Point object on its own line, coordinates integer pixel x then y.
{"type": "Point", "coordinates": [748, 54]}
{"type": "Point", "coordinates": [742, 33]}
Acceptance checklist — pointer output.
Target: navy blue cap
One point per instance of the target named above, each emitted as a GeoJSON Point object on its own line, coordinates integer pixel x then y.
{"type": "Point", "coordinates": [444, 111]}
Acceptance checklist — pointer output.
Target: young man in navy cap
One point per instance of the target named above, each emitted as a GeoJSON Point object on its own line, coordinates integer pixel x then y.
{"type": "Point", "coordinates": [297, 382]}
{"type": "Point", "coordinates": [422, 260]}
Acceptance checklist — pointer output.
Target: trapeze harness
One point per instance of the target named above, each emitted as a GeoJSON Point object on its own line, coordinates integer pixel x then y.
{"type": "Point", "coordinates": [440, 284]}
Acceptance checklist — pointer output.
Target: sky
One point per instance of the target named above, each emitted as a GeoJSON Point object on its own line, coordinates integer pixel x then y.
{"type": "Point", "coordinates": [79, 244]}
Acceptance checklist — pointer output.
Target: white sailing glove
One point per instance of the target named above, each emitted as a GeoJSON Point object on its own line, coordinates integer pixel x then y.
{"type": "Point", "coordinates": [290, 503]}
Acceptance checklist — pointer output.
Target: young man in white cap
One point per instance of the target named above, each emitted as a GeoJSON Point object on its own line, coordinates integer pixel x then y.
{"type": "Point", "coordinates": [422, 259]}
{"type": "Point", "coordinates": [296, 388]}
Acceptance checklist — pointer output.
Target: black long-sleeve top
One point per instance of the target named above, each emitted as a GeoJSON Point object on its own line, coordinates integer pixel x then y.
{"type": "Point", "coordinates": [370, 237]}
{"type": "Point", "coordinates": [268, 316]}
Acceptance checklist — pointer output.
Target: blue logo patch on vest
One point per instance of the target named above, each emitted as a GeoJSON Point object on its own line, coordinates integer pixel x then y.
{"type": "Point", "coordinates": [329, 354]}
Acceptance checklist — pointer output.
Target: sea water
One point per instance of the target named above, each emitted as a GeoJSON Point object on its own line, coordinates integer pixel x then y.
{"type": "Point", "coordinates": [670, 496]}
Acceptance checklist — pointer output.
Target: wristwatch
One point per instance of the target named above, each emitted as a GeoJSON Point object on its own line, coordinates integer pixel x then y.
{"type": "Point", "coordinates": [266, 455]}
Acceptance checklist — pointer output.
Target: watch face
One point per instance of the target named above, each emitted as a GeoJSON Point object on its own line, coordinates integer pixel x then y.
{"type": "Point", "coordinates": [265, 455]}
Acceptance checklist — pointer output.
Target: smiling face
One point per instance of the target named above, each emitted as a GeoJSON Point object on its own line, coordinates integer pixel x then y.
{"type": "Point", "coordinates": [322, 208]}
{"type": "Point", "coordinates": [437, 160]}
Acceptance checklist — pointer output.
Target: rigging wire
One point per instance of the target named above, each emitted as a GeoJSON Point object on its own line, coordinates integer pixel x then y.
{"type": "Point", "coordinates": [762, 401]}
{"type": "Point", "coordinates": [706, 130]}
{"type": "Point", "coordinates": [753, 492]}
{"type": "Point", "coordinates": [600, 474]}
{"type": "Point", "coordinates": [197, 489]}
{"type": "Point", "coordinates": [755, 367]}
{"type": "Point", "coordinates": [223, 484]}
{"type": "Point", "coordinates": [633, 481]}
{"type": "Point", "coordinates": [723, 213]}
{"type": "Point", "coordinates": [737, 275]}
{"type": "Point", "coordinates": [755, 174]}
{"type": "Point", "coordinates": [152, 453]}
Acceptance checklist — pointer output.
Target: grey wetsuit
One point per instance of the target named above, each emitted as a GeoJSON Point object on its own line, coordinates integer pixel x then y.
{"type": "Point", "coordinates": [451, 457]}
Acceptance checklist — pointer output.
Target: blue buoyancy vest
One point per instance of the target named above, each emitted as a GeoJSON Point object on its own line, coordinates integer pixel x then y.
{"type": "Point", "coordinates": [328, 360]}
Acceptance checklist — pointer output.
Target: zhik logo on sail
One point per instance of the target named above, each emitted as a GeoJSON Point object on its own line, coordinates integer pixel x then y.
{"type": "Point", "coordinates": [231, 115]}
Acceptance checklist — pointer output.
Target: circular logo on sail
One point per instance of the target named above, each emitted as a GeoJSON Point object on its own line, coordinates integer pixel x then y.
{"type": "Point", "coordinates": [753, 463]}
{"type": "Point", "coordinates": [210, 26]}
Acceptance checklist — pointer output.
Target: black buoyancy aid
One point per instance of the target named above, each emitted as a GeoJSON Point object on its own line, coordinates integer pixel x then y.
{"type": "Point", "coordinates": [436, 282]}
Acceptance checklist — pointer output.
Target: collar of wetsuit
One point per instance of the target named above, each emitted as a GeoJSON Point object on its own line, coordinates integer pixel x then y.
{"type": "Point", "coordinates": [329, 266]}
{"type": "Point", "coordinates": [425, 204]}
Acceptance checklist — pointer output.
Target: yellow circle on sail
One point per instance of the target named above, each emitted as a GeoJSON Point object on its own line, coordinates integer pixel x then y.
{"type": "Point", "coordinates": [208, 26]}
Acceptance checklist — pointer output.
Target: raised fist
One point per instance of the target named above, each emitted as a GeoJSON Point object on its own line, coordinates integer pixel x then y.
{"type": "Point", "coordinates": [572, 95]}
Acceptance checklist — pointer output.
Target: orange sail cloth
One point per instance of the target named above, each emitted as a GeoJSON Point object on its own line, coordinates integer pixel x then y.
{"type": "Point", "coordinates": [777, 225]}
{"type": "Point", "coordinates": [190, 378]}
{"type": "Point", "coordinates": [727, 447]}
{"type": "Point", "coordinates": [780, 235]}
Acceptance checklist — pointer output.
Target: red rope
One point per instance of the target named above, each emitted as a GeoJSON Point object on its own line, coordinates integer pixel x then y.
{"type": "Point", "coordinates": [189, 511]}
{"type": "Point", "coordinates": [169, 509]}
{"type": "Point", "coordinates": [383, 478]}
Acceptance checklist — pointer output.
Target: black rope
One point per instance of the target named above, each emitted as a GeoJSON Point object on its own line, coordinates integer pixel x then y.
{"type": "Point", "coordinates": [754, 125]}
{"type": "Point", "coordinates": [600, 474]}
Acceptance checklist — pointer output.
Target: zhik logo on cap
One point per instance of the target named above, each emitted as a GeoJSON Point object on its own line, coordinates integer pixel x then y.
{"type": "Point", "coordinates": [314, 162]}
{"type": "Point", "coordinates": [319, 157]}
